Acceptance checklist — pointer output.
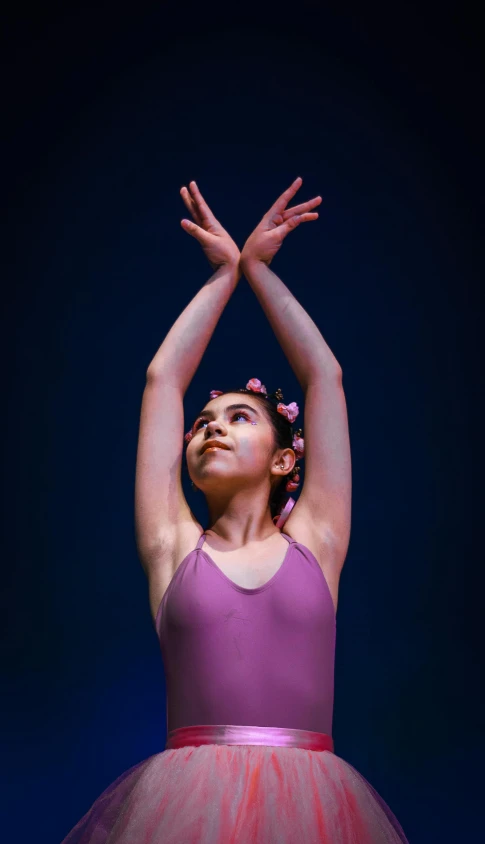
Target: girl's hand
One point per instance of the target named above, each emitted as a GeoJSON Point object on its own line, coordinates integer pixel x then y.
{"type": "Point", "coordinates": [267, 237]}
{"type": "Point", "coordinates": [217, 244]}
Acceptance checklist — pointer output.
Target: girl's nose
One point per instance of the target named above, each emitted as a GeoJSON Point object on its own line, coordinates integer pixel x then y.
{"type": "Point", "coordinates": [215, 426]}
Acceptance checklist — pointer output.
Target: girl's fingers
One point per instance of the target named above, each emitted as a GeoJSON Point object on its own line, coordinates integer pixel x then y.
{"type": "Point", "coordinates": [303, 218]}
{"type": "Point", "coordinates": [285, 197]}
{"type": "Point", "coordinates": [300, 209]}
{"type": "Point", "coordinates": [311, 215]}
{"type": "Point", "coordinates": [190, 204]}
{"type": "Point", "coordinates": [196, 231]}
{"type": "Point", "coordinates": [204, 210]}
{"type": "Point", "coordinates": [292, 222]}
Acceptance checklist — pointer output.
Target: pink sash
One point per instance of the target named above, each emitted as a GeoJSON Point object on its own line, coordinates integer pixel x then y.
{"type": "Point", "coordinates": [230, 734]}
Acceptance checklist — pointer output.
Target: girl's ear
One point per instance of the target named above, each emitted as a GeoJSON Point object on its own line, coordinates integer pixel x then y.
{"type": "Point", "coordinates": [284, 462]}
{"type": "Point", "coordinates": [289, 458]}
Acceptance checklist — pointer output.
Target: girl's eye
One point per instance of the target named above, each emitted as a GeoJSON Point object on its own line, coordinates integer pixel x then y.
{"type": "Point", "coordinates": [201, 422]}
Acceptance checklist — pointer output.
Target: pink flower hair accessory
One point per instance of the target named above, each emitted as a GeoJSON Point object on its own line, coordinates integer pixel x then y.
{"type": "Point", "coordinates": [293, 480]}
{"type": "Point", "coordinates": [291, 411]}
{"type": "Point", "coordinates": [255, 385]}
{"type": "Point", "coordinates": [298, 444]}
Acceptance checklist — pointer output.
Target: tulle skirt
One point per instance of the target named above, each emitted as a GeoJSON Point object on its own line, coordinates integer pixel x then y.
{"type": "Point", "coordinates": [240, 785]}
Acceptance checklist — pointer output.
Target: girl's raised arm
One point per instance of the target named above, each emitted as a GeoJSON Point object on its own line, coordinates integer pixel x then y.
{"type": "Point", "coordinates": [321, 517]}
{"type": "Point", "coordinates": [160, 505]}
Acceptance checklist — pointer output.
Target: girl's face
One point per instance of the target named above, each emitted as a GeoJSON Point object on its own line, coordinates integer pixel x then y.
{"type": "Point", "coordinates": [239, 424]}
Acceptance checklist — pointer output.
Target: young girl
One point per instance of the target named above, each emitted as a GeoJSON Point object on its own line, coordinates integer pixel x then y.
{"type": "Point", "coordinates": [244, 612]}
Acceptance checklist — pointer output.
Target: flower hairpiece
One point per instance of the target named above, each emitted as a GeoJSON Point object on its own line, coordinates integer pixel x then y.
{"type": "Point", "coordinates": [255, 385]}
{"type": "Point", "coordinates": [299, 444]}
{"type": "Point", "coordinates": [291, 411]}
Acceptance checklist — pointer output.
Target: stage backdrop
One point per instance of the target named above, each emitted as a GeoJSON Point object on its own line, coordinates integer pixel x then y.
{"type": "Point", "coordinates": [109, 114]}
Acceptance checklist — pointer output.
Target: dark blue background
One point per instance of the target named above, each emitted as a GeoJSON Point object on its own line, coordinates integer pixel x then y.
{"type": "Point", "coordinates": [107, 114]}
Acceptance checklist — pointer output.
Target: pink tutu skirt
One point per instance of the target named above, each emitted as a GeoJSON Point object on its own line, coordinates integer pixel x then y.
{"type": "Point", "coordinates": [240, 785]}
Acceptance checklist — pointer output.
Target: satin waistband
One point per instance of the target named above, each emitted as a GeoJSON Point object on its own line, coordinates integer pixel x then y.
{"type": "Point", "coordinates": [231, 734]}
